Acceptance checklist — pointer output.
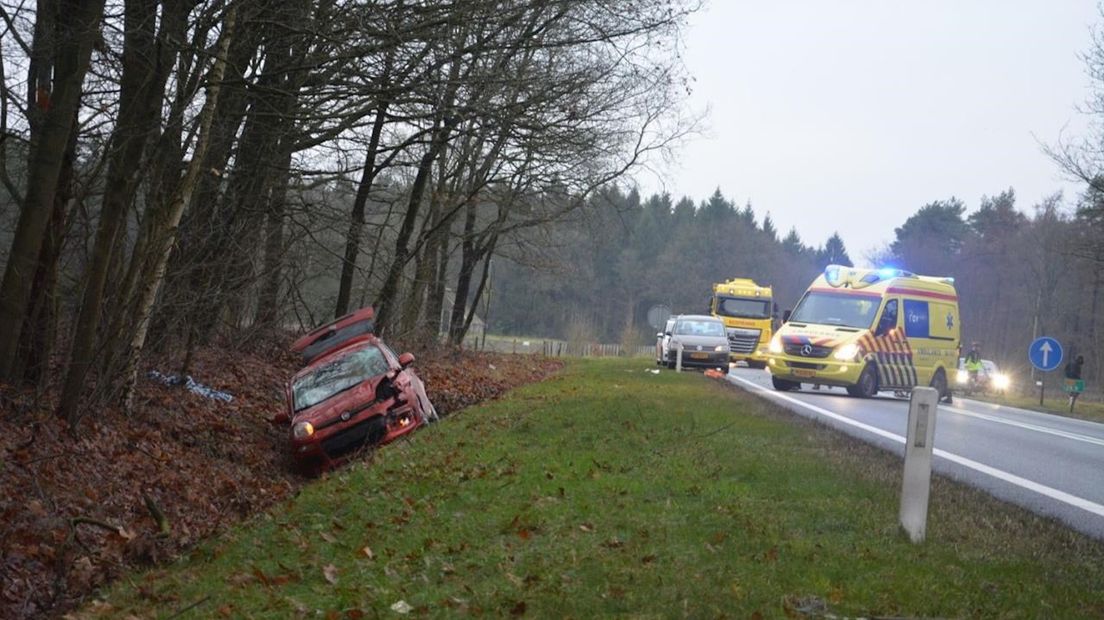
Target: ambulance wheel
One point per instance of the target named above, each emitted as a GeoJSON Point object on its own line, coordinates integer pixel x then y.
{"type": "Point", "coordinates": [939, 382]}
{"type": "Point", "coordinates": [784, 386]}
{"type": "Point", "coordinates": [867, 386]}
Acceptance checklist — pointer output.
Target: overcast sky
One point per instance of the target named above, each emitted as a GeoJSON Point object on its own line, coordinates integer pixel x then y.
{"type": "Point", "coordinates": [851, 114]}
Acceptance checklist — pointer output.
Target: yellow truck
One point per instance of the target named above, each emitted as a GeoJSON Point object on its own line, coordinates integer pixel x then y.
{"type": "Point", "coordinates": [747, 310]}
{"type": "Point", "coordinates": [869, 330]}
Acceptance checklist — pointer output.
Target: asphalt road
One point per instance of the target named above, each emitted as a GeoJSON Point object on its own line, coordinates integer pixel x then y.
{"type": "Point", "coordinates": [1051, 465]}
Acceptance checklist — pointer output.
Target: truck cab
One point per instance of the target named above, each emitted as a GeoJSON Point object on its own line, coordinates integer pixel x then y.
{"type": "Point", "coordinates": [748, 311]}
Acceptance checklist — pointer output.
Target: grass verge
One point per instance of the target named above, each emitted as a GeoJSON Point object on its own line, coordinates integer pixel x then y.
{"type": "Point", "coordinates": [611, 490]}
{"type": "Point", "coordinates": [1057, 404]}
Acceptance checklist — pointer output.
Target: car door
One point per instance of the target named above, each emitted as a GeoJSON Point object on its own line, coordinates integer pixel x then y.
{"type": "Point", "coordinates": [891, 348]}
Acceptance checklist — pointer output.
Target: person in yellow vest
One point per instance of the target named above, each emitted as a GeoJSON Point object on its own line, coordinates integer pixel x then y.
{"type": "Point", "coordinates": [973, 362]}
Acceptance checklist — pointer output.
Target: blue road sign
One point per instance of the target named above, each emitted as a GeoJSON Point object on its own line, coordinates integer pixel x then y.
{"type": "Point", "coordinates": [1045, 353]}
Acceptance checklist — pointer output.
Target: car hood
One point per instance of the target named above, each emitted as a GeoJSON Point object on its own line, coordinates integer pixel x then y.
{"type": "Point", "coordinates": [820, 335]}
{"type": "Point", "coordinates": [352, 399]}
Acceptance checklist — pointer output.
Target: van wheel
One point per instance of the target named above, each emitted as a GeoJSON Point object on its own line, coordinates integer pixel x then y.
{"type": "Point", "coordinates": [784, 386]}
{"type": "Point", "coordinates": [939, 382]}
{"type": "Point", "coordinates": [867, 386]}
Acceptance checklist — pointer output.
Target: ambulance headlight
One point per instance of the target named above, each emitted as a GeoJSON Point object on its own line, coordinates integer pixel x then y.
{"type": "Point", "coordinates": [962, 376]}
{"type": "Point", "coordinates": [775, 344]}
{"type": "Point", "coordinates": [847, 353]}
{"type": "Point", "coordinates": [1001, 381]}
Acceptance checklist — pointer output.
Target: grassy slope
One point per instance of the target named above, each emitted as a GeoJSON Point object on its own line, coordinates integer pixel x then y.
{"type": "Point", "coordinates": [609, 490]}
{"type": "Point", "coordinates": [1056, 403]}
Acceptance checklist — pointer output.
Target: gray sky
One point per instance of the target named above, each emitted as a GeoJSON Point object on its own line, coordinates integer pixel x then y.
{"type": "Point", "coordinates": [851, 114]}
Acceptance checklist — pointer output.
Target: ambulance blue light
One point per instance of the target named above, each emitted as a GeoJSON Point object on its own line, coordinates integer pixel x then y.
{"type": "Point", "coordinates": [887, 272]}
{"type": "Point", "coordinates": [832, 274]}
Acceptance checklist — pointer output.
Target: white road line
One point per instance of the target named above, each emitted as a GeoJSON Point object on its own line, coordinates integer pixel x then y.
{"type": "Point", "coordinates": [1024, 483]}
{"type": "Point", "coordinates": [1025, 425]}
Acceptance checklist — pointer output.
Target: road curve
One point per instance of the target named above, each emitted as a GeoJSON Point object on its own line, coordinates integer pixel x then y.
{"type": "Point", "coordinates": [1051, 465]}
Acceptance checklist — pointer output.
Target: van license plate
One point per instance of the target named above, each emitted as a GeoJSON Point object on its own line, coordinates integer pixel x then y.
{"type": "Point", "coordinates": [801, 372]}
{"type": "Point", "coordinates": [699, 356]}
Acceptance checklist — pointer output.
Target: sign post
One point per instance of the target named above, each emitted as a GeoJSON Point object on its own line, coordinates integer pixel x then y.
{"type": "Point", "coordinates": [916, 485]}
{"type": "Point", "coordinates": [1045, 354]}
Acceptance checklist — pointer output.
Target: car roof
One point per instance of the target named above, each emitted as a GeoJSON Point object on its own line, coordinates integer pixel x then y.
{"type": "Point", "coordinates": [700, 317]}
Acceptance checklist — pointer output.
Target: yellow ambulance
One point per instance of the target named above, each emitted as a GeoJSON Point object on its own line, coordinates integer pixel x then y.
{"type": "Point", "coordinates": [869, 330]}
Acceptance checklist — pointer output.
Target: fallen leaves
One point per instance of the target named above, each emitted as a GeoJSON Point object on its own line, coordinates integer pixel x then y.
{"type": "Point", "coordinates": [205, 464]}
{"type": "Point", "coordinates": [329, 571]}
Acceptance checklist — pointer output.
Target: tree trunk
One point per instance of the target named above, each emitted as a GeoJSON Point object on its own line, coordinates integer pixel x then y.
{"type": "Point", "coordinates": [165, 234]}
{"type": "Point", "coordinates": [356, 223]}
{"type": "Point", "coordinates": [388, 297]}
{"type": "Point", "coordinates": [40, 334]}
{"type": "Point", "coordinates": [468, 260]}
{"type": "Point", "coordinates": [269, 298]}
{"type": "Point", "coordinates": [145, 73]}
{"type": "Point", "coordinates": [414, 318]}
{"type": "Point", "coordinates": [77, 29]}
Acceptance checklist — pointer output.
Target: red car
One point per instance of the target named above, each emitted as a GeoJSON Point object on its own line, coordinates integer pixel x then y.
{"type": "Point", "coordinates": [353, 392]}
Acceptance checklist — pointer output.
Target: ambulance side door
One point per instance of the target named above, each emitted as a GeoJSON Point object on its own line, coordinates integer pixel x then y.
{"type": "Point", "coordinates": [917, 324]}
{"type": "Point", "coordinates": [943, 335]}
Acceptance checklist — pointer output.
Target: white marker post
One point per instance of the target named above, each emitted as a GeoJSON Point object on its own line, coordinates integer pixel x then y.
{"type": "Point", "coordinates": [916, 485]}
{"type": "Point", "coordinates": [678, 358]}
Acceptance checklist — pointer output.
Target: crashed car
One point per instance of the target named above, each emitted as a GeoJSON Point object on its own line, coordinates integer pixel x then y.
{"type": "Point", "coordinates": [352, 393]}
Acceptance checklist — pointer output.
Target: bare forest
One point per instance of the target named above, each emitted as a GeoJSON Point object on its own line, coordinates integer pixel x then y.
{"type": "Point", "coordinates": [178, 171]}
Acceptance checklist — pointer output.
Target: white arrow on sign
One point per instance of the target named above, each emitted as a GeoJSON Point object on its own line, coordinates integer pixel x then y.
{"type": "Point", "coordinates": [1045, 348]}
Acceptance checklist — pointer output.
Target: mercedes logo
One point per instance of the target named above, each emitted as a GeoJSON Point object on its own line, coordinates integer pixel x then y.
{"type": "Point", "coordinates": [699, 347]}
{"type": "Point", "coordinates": [807, 350]}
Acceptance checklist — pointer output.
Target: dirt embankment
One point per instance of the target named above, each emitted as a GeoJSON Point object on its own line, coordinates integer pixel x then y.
{"type": "Point", "coordinates": [76, 511]}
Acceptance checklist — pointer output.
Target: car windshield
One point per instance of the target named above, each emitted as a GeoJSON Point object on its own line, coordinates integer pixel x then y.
{"type": "Point", "coordinates": [743, 308]}
{"type": "Point", "coordinates": [337, 375]}
{"type": "Point", "coordinates": [847, 310]}
{"type": "Point", "coordinates": [699, 327]}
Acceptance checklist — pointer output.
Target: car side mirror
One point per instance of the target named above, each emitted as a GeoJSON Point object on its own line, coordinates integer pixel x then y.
{"type": "Point", "coordinates": [659, 335]}
{"type": "Point", "coordinates": [406, 359]}
{"type": "Point", "coordinates": [786, 316]}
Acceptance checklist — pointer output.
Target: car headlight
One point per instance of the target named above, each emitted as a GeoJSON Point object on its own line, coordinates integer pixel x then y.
{"type": "Point", "coordinates": [962, 376]}
{"type": "Point", "coordinates": [847, 353]}
{"type": "Point", "coordinates": [720, 348]}
{"type": "Point", "coordinates": [302, 430]}
{"type": "Point", "coordinates": [1001, 382]}
{"type": "Point", "coordinates": [775, 344]}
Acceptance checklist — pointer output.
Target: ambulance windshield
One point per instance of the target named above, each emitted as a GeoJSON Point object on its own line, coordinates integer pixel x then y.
{"type": "Point", "coordinates": [843, 309]}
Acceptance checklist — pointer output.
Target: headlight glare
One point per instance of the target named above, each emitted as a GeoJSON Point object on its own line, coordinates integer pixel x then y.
{"type": "Point", "coordinates": [847, 353]}
{"type": "Point", "coordinates": [775, 344]}
{"type": "Point", "coordinates": [719, 348]}
{"type": "Point", "coordinates": [962, 376]}
{"type": "Point", "coordinates": [302, 430]}
{"type": "Point", "coordinates": [1001, 381]}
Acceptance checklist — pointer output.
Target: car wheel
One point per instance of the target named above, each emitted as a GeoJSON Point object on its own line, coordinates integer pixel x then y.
{"type": "Point", "coordinates": [939, 382]}
{"type": "Point", "coordinates": [867, 386]}
{"type": "Point", "coordinates": [783, 385]}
